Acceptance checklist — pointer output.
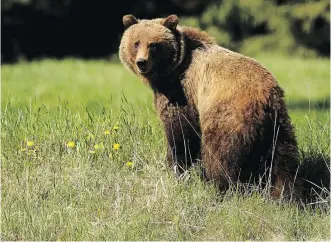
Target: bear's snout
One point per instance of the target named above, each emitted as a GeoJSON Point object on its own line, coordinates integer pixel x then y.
{"type": "Point", "coordinates": [142, 65]}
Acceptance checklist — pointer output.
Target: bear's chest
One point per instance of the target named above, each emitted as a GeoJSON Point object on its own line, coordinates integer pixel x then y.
{"type": "Point", "coordinates": [176, 112]}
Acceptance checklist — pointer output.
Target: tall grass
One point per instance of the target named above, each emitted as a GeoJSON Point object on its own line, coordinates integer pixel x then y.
{"type": "Point", "coordinates": [91, 191]}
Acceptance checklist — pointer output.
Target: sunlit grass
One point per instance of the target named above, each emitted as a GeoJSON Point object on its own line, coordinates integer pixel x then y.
{"type": "Point", "coordinates": [99, 173]}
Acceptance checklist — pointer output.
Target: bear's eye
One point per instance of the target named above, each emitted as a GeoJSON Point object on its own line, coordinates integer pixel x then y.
{"type": "Point", "coordinates": [136, 45]}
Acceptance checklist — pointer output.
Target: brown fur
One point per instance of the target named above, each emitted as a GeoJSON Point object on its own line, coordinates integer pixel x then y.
{"type": "Point", "coordinates": [215, 104]}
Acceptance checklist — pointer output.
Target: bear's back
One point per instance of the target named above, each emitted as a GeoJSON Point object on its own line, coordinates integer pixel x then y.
{"type": "Point", "coordinates": [216, 72]}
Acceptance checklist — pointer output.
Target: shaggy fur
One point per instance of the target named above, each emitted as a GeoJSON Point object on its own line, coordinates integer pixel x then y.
{"type": "Point", "coordinates": [215, 104]}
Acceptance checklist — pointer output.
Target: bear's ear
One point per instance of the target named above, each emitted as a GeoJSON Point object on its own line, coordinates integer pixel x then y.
{"type": "Point", "coordinates": [129, 20]}
{"type": "Point", "coordinates": [171, 22]}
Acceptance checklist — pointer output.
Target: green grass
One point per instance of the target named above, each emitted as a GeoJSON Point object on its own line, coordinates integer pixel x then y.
{"type": "Point", "coordinates": [52, 192]}
{"type": "Point", "coordinates": [79, 83]}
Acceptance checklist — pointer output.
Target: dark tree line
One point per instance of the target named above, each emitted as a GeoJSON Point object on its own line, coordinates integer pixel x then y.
{"type": "Point", "coordinates": [92, 29]}
{"type": "Point", "coordinates": [82, 28]}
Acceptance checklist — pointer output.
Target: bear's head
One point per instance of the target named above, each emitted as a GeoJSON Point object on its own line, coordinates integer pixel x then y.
{"type": "Point", "coordinates": [151, 48]}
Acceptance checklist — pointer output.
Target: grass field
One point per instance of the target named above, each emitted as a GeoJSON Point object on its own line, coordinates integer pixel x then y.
{"type": "Point", "coordinates": [82, 158]}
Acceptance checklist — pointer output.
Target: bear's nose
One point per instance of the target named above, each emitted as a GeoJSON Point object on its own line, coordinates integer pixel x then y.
{"type": "Point", "coordinates": [141, 63]}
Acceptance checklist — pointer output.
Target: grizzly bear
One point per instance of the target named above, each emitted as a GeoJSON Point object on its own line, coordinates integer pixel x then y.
{"type": "Point", "coordinates": [216, 105]}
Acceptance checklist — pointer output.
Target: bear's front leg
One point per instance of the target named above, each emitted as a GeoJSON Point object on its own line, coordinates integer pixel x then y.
{"type": "Point", "coordinates": [175, 160]}
{"type": "Point", "coordinates": [183, 145]}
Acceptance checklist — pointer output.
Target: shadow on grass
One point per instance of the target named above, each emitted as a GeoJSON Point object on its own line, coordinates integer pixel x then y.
{"type": "Point", "coordinates": [315, 174]}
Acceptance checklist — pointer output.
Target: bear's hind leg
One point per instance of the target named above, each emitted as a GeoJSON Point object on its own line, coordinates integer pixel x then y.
{"type": "Point", "coordinates": [221, 156]}
{"type": "Point", "coordinates": [285, 182]}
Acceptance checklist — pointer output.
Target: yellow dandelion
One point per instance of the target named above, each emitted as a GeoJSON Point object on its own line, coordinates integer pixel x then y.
{"type": "Point", "coordinates": [107, 132]}
{"type": "Point", "coordinates": [129, 164]}
{"type": "Point", "coordinates": [29, 143]}
{"type": "Point", "coordinates": [71, 144]}
{"type": "Point", "coordinates": [115, 128]}
{"type": "Point", "coordinates": [116, 146]}
{"type": "Point", "coordinates": [91, 151]}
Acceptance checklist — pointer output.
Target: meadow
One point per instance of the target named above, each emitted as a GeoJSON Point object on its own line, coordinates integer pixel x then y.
{"type": "Point", "coordinates": [83, 158]}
